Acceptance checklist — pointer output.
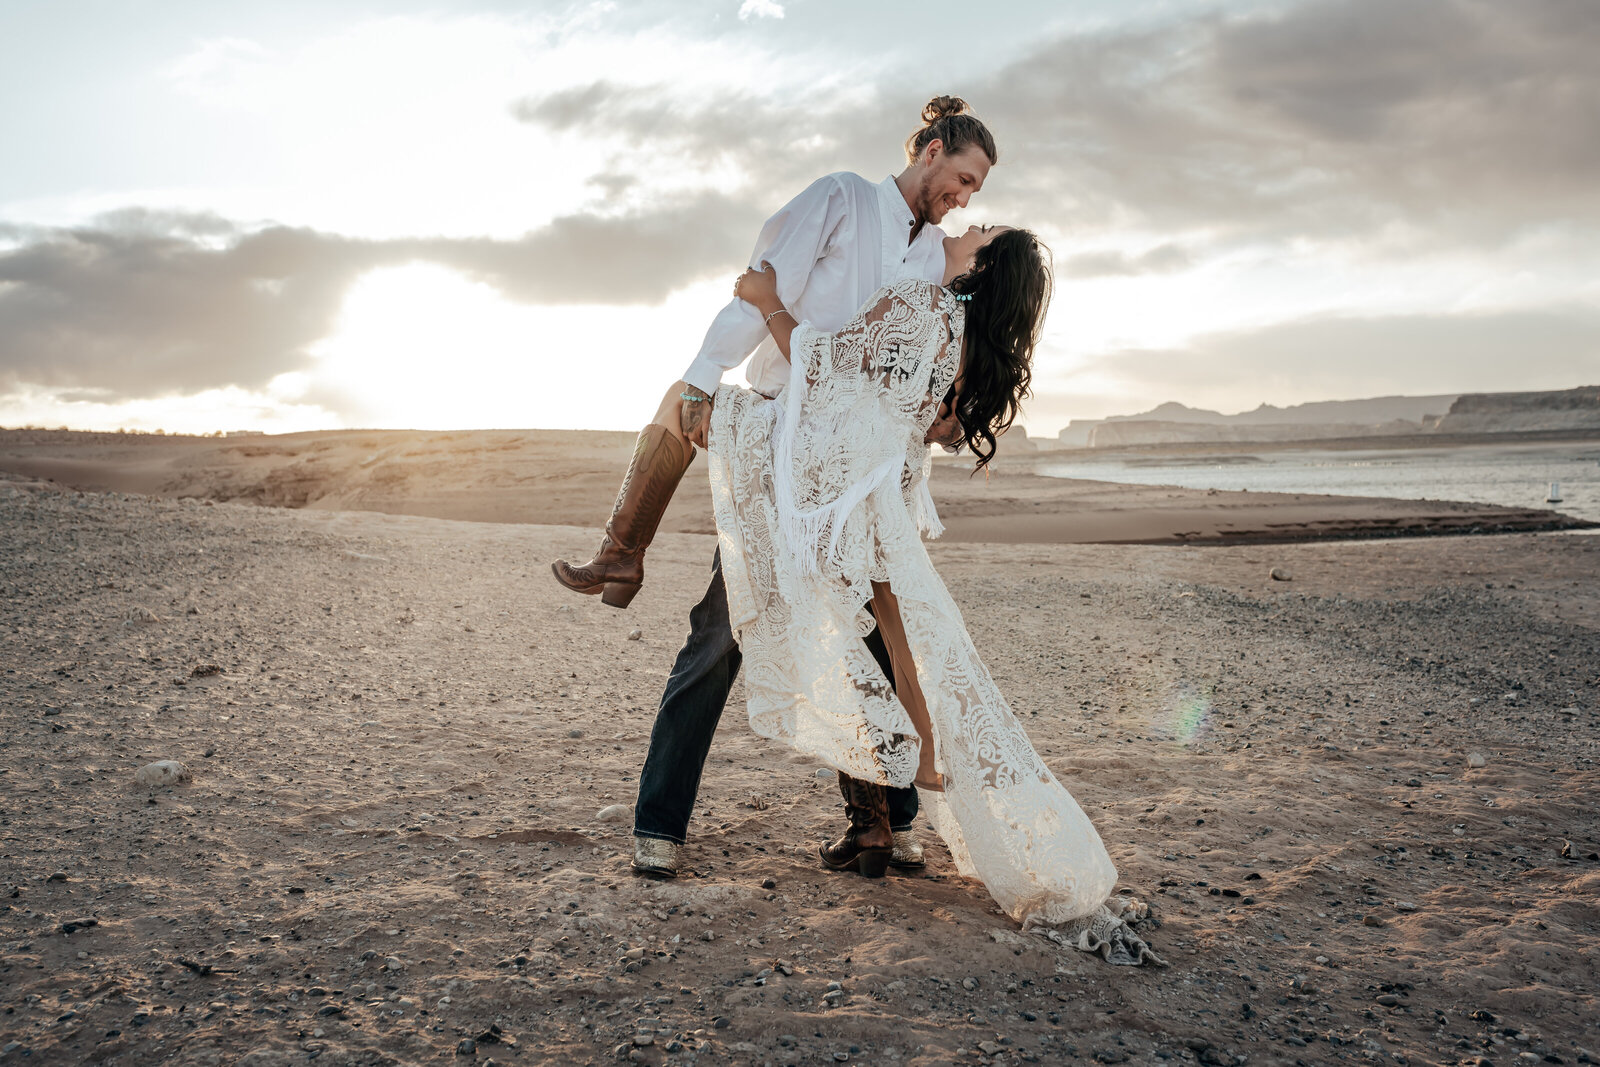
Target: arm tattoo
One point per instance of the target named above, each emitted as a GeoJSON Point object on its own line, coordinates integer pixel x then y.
{"type": "Point", "coordinates": [695, 414]}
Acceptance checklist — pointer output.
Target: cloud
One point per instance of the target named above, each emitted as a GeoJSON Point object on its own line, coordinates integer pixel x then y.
{"type": "Point", "coordinates": [164, 223]}
{"type": "Point", "coordinates": [201, 69]}
{"type": "Point", "coordinates": [761, 9]}
{"type": "Point", "coordinates": [637, 258]}
{"type": "Point", "coordinates": [771, 147]}
{"type": "Point", "coordinates": [1163, 259]}
{"type": "Point", "coordinates": [138, 313]}
{"type": "Point", "coordinates": [1435, 123]}
{"type": "Point", "coordinates": [1317, 358]}
{"type": "Point", "coordinates": [1442, 121]}
{"type": "Point", "coordinates": [143, 303]}
{"type": "Point", "coordinates": [774, 144]}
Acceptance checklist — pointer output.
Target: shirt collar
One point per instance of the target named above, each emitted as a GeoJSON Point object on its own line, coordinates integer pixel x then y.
{"type": "Point", "coordinates": [894, 202]}
{"type": "Point", "coordinates": [902, 257]}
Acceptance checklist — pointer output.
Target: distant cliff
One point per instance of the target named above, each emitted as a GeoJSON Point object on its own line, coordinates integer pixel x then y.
{"type": "Point", "coordinates": [1076, 433]}
{"type": "Point", "coordinates": [1173, 423]}
{"type": "Point", "coordinates": [1371, 411]}
{"type": "Point", "coordinates": [1153, 432]}
{"type": "Point", "coordinates": [1017, 439]}
{"type": "Point", "coordinates": [1562, 409]}
{"type": "Point", "coordinates": [1386, 416]}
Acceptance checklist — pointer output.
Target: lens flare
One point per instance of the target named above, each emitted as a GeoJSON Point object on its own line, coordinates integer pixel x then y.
{"type": "Point", "coordinates": [1188, 716]}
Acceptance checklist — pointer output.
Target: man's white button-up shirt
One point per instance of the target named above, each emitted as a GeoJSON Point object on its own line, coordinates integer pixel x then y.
{"type": "Point", "coordinates": [833, 246]}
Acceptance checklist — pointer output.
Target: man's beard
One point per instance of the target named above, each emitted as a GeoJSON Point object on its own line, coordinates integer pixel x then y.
{"type": "Point", "coordinates": [927, 204]}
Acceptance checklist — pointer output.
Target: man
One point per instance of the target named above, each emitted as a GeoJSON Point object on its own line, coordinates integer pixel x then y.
{"type": "Point", "coordinates": [832, 247]}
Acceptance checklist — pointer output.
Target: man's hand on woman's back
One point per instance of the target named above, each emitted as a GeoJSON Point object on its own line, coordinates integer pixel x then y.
{"type": "Point", "coordinates": [946, 429]}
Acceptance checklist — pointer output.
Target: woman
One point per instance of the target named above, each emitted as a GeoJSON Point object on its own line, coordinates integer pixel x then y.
{"type": "Point", "coordinates": [821, 497]}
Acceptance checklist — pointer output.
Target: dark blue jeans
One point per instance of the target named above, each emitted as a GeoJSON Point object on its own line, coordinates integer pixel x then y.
{"type": "Point", "coordinates": [691, 707]}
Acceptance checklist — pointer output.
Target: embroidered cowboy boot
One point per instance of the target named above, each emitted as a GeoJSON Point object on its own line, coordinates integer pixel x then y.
{"type": "Point", "coordinates": [660, 458]}
{"type": "Point", "coordinates": [655, 856]}
{"type": "Point", "coordinates": [908, 854]}
{"type": "Point", "coordinates": [868, 843]}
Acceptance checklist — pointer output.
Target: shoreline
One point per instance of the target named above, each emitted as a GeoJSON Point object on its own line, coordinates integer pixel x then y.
{"type": "Point", "coordinates": [1357, 443]}
{"type": "Point", "coordinates": [569, 478]}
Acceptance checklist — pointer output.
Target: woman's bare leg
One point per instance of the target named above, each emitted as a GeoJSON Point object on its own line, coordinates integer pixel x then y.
{"type": "Point", "coordinates": [670, 413]}
{"type": "Point", "coordinates": [906, 686]}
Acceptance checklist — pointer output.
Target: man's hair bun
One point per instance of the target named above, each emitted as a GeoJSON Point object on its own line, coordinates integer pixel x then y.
{"type": "Point", "coordinates": [943, 107]}
{"type": "Point", "coordinates": [951, 122]}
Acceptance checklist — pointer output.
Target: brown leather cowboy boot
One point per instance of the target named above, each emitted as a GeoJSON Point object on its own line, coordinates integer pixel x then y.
{"type": "Point", "coordinates": [659, 459]}
{"type": "Point", "coordinates": [868, 843]}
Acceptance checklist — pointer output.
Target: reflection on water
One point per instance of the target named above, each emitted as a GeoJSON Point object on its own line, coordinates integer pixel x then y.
{"type": "Point", "coordinates": [1513, 475]}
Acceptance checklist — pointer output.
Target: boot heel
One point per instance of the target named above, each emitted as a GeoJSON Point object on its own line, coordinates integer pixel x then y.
{"type": "Point", "coordinates": [619, 594]}
{"type": "Point", "coordinates": [874, 862]}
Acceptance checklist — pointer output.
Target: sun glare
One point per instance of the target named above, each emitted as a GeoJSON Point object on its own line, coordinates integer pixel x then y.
{"type": "Point", "coordinates": [274, 410]}
{"type": "Point", "coordinates": [422, 346]}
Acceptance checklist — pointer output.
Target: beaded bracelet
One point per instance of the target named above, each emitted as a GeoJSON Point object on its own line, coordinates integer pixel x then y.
{"type": "Point", "coordinates": [693, 399]}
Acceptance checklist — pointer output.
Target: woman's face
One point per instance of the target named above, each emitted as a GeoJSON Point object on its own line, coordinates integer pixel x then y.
{"type": "Point", "coordinates": [960, 251]}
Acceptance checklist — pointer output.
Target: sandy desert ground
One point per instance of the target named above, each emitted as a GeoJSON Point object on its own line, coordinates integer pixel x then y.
{"type": "Point", "coordinates": [1360, 804]}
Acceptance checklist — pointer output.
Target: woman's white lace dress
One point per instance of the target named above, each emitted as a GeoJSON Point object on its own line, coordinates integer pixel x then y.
{"type": "Point", "coordinates": [824, 490]}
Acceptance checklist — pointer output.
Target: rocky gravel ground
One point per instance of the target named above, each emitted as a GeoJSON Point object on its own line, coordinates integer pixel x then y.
{"type": "Point", "coordinates": [1359, 800]}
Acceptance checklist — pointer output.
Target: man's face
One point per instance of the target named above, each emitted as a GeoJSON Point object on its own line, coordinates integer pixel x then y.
{"type": "Point", "coordinates": [948, 181]}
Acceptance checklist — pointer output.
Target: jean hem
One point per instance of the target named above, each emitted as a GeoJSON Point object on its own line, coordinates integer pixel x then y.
{"type": "Point", "coordinates": [674, 838]}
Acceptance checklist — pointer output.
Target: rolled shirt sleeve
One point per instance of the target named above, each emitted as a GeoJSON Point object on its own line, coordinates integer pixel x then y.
{"type": "Point", "coordinates": [791, 241]}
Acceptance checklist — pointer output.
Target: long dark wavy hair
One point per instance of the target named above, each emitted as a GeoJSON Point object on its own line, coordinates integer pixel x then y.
{"type": "Point", "coordinates": [1010, 285]}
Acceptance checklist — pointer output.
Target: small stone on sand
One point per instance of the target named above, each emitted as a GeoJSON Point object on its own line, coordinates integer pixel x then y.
{"type": "Point", "coordinates": [161, 773]}
{"type": "Point", "coordinates": [613, 813]}
{"type": "Point", "coordinates": [1475, 759]}
{"type": "Point", "coordinates": [1279, 574]}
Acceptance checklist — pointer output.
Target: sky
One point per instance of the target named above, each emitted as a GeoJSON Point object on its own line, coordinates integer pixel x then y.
{"type": "Point", "coordinates": [218, 215]}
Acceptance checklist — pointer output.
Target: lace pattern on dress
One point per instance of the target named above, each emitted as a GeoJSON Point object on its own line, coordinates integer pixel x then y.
{"type": "Point", "coordinates": [817, 494]}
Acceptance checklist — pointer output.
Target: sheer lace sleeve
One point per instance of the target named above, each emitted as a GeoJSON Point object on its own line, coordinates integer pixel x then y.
{"type": "Point", "coordinates": [905, 345]}
{"type": "Point", "coordinates": [875, 387]}
{"type": "Point", "coordinates": [856, 409]}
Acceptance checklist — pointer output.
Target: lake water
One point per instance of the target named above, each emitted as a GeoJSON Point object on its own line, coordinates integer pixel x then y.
{"type": "Point", "coordinates": [1513, 475]}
